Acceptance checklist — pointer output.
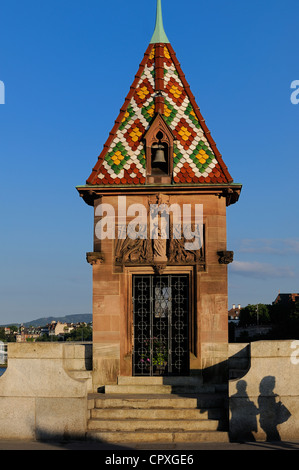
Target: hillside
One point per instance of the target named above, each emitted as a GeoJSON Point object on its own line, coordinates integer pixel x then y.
{"type": "Point", "coordinates": [76, 318]}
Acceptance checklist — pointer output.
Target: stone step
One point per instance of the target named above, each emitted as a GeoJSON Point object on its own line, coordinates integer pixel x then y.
{"type": "Point", "coordinates": [139, 425]}
{"type": "Point", "coordinates": [163, 437]}
{"type": "Point", "coordinates": [173, 381]}
{"type": "Point", "coordinates": [138, 389]}
{"type": "Point", "coordinates": [143, 402]}
{"type": "Point", "coordinates": [157, 418]}
{"type": "Point", "coordinates": [159, 389]}
{"type": "Point", "coordinates": [157, 413]}
{"type": "Point", "coordinates": [147, 401]}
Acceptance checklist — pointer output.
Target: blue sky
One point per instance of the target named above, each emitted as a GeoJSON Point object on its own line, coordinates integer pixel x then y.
{"type": "Point", "coordinates": [67, 67]}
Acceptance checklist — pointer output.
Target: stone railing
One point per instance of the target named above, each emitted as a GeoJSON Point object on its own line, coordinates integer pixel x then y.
{"type": "Point", "coordinates": [44, 391]}
{"type": "Point", "coordinates": [42, 395]}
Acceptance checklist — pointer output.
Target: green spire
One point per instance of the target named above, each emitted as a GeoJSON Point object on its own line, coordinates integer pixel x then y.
{"type": "Point", "coordinates": [159, 35]}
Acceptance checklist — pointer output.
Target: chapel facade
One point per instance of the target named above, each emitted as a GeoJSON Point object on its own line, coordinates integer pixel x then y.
{"type": "Point", "coordinates": [160, 302]}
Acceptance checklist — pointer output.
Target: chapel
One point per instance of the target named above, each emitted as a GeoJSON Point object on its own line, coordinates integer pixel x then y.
{"type": "Point", "coordinates": [160, 303]}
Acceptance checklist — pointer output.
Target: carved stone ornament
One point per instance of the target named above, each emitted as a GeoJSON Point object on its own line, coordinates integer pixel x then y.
{"type": "Point", "coordinates": [130, 251]}
{"type": "Point", "coordinates": [159, 268]}
{"type": "Point", "coordinates": [158, 252]}
{"type": "Point", "coordinates": [178, 254]}
{"type": "Point", "coordinates": [226, 257]}
{"type": "Point", "coordinates": [95, 258]}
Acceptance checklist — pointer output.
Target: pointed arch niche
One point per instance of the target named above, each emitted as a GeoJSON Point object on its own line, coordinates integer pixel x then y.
{"type": "Point", "coordinates": [159, 138]}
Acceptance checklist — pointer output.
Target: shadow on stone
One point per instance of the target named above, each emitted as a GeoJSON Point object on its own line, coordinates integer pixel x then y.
{"type": "Point", "coordinates": [243, 421]}
{"type": "Point", "coordinates": [271, 412]}
{"type": "Point", "coordinates": [245, 415]}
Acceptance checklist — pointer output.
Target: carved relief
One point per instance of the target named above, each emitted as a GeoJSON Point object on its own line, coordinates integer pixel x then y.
{"type": "Point", "coordinates": [179, 255]}
{"type": "Point", "coordinates": [158, 199]}
{"type": "Point", "coordinates": [157, 252]}
{"type": "Point", "coordinates": [159, 268]}
{"type": "Point", "coordinates": [225, 257]}
{"type": "Point", "coordinates": [133, 251]}
{"type": "Point", "coordinates": [95, 258]}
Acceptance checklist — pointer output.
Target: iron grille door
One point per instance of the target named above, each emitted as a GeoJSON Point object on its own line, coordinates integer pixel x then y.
{"type": "Point", "coordinates": [179, 325]}
{"type": "Point", "coordinates": [161, 312]}
{"type": "Point", "coordinates": [142, 305]}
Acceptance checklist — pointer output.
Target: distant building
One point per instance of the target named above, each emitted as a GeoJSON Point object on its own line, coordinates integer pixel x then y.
{"type": "Point", "coordinates": [286, 298]}
{"type": "Point", "coordinates": [33, 333]}
{"type": "Point", "coordinates": [26, 334]}
{"type": "Point", "coordinates": [234, 313]}
{"type": "Point", "coordinates": [58, 328]}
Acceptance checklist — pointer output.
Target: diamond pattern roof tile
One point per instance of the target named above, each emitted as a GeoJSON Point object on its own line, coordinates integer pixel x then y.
{"type": "Point", "coordinates": [196, 159]}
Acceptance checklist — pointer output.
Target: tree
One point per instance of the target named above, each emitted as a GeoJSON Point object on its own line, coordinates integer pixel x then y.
{"type": "Point", "coordinates": [2, 334]}
{"type": "Point", "coordinates": [255, 315]}
{"type": "Point", "coordinates": [7, 338]}
{"type": "Point", "coordinates": [13, 328]}
{"type": "Point", "coordinates": [82, 333]}
{"type": "Point", "coordinates": [285, 320]}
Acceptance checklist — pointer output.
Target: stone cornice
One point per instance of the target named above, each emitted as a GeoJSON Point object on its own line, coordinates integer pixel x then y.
{"type": "Point", "coordinates": [230, 191]}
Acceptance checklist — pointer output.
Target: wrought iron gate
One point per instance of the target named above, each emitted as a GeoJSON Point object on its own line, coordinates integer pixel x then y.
{"type": "Point", "coordinates": [161, 330]}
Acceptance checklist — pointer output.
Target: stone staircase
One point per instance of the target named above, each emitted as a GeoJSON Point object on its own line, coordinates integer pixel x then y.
{"type": "Point", "coordinates": [158, 410]}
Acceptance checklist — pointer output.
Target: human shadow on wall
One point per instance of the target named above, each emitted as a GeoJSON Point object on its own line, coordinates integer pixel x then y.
{"type": "Point", "coordinates": [244, 413]}
{"type": "Point", "coordinates": [272, 412]}
{"type": "Point", "coordinates": [243, 421]}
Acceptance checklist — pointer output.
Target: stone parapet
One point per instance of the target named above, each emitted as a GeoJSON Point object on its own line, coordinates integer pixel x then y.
{"type": "Point", "coordinates": [39, 398]}
{"type": "Point", "coordinates": [264, 402]}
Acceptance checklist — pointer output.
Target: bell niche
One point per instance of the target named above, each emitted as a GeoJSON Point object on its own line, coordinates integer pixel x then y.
{"type": "Point", "coordinates": [160, 156]}
{"type": "Point", "coordinates": [159, 152]}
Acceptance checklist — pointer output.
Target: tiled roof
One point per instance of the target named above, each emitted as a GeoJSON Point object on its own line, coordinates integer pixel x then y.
{"type": "Point", "coordinates": [160, 85]}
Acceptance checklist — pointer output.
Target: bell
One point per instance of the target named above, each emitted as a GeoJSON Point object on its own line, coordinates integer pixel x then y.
{"type": "Point", "coordinates": [160, 155]}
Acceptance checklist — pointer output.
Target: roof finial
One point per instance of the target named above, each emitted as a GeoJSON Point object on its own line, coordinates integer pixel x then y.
{"type": "Point", "coordinates": [159, 35]}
